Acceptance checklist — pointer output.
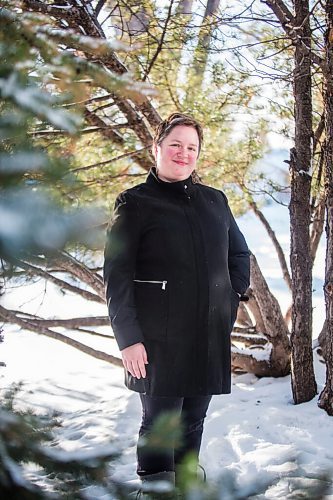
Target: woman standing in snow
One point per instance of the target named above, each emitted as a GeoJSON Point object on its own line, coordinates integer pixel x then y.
{"type": "Point", "coordinates": [176, 266]}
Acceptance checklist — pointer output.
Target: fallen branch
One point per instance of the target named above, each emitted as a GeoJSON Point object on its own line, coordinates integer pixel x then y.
{"type": "Point", "coordinates": [256, 361]}
{"type": "Point", "coordinates": [249, 340]}
{"type": "Point", "coordinates": [27, 324]}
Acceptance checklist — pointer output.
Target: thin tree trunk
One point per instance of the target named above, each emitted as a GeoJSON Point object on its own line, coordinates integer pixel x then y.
{"type": "Point", "coordinates": [185, 7]}
{"type": "Point", "coordinates": [277, 246]}
{"type": "Point", "coordinates": [198, 66]}
{"type": "Point", "coordinates": [318, 217]}
{"type": "Point", "coordinates": [303, 380]}
{"type": "Point", "coordinates": [184, 14]}
{"type": "Point", "coordinates": [326, 396]}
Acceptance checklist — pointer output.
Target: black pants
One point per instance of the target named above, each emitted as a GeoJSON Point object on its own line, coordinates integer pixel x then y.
{"type": "Point", "coordinates": [192, 412]}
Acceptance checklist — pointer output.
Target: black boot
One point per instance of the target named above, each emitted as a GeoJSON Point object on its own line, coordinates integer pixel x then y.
{"type": "Point", "coordinates": [189, 476]}
{"type": "Point", "coordinates": [160, 485]}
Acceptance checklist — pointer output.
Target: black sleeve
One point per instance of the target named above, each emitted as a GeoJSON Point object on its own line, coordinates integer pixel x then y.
{"type": "Point", "coordinates": [238, 257]}
{"type": "Point", "coordinates": [119, 268]}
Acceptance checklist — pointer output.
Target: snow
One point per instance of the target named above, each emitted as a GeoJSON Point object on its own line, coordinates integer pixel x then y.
{"type": "Point", "coordinates": [304, 172]}
{"type": "Point", "coordinates": [262, 353]}
{"type": "Point", "coordinates": [255, 431]}
{"type": "Point", "coordinates": [61, 7]}
{"type": "Point", "coordinates": [255, 434]}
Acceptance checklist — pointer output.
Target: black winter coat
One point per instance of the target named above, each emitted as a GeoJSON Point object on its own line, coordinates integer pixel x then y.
{"type": "Point", "coordinates": [175, 264]}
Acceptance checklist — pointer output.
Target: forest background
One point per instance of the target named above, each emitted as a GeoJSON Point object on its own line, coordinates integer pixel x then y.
{"type": "Point", "coordinates": [83, 85]}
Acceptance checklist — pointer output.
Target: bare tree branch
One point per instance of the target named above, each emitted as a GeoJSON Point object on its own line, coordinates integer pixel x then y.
{"type": "Point", "coordinates": [61, 283]}
{"type": "Point", "coordinates": [249, 339]}
{"type": "Point", "coordinates": [275, 241]}
{"type": "Point", "coordinates": [70, 324]}
{"type": "Point", "coordinates": [131, 154]}
{"type": "Point", "coordinates": [99, 7]}
{"type": "Point", "coordinates": [288, 23]}
{"type": "Point", "coordinates": [76, 268]}
{"type": "Point", "coordinates": [143, 156]}
{"type": "Point", "coordinates": [10, 317]}
{"type": "Point", "coordinates": [161, 41]}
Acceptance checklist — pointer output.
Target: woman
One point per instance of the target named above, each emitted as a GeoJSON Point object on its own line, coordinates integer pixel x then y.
{"type": "Point", "coordinates": [176, 266]}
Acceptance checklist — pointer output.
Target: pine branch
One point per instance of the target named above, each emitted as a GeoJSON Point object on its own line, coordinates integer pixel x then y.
{"type": "Point", "coordinates": [78, 16]}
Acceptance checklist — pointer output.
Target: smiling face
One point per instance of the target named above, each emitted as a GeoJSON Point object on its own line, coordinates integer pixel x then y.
{"type": "Point", "coordinates": [176, 156]}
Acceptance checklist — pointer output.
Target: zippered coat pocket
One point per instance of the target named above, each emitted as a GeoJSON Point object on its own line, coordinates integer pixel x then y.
{"type": "Point", "coordinates": [152, 304]}
{"type": "Point", "coordinates": [162, 283]}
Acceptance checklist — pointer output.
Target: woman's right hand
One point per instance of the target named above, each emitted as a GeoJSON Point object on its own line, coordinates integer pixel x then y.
{"type": "Point", "coordinates": [134, 359]}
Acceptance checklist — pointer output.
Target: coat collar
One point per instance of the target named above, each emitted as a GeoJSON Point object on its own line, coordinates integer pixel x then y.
{"type": "Point", "coordinates": [186, 187]}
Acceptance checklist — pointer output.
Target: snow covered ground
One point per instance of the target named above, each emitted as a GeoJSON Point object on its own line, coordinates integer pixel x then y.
{"type": "Point", "coordinates": [257, 433]}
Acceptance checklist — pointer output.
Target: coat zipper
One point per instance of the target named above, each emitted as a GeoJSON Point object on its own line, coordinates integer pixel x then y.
{"type": "Point", "coordinates": [163, 283]}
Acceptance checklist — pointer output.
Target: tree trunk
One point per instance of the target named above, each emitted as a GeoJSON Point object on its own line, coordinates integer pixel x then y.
{"type": "Point", "coordinates": [303, 380]}
{"type": "Point", "coordinates": [326, 396]}
{"type": "Point", "coordinates": [268, 354]}
{"type": "Point", "coordinates": [185, 7]}
{"type": "Point", "coordinates": [275, 328]}
{"type": "Point", "coordinates": [198, 66]}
